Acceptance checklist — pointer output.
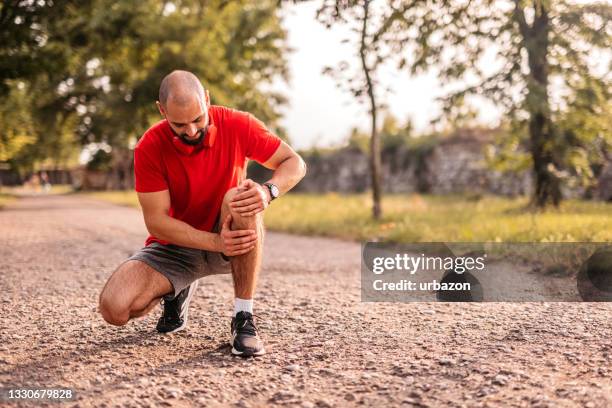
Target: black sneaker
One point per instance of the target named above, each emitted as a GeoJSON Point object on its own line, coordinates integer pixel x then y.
{"type": "Point", "coordinates": [176, 311]}
{"type": "Point", "coordinates": [245, 340]}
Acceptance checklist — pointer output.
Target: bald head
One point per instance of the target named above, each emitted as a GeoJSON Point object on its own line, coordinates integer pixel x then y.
{"type": "Point", "coordinates": [180, 87]}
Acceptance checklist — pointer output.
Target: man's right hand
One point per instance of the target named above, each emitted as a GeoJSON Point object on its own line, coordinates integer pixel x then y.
{"type": "Point", "coordinates": [238, 242]}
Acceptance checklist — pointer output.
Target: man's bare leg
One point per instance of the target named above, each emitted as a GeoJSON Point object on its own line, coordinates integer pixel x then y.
{"type": "Point", "coordinates": [132, 291]}
{"type": "Point", "coordinates": [245, 269]}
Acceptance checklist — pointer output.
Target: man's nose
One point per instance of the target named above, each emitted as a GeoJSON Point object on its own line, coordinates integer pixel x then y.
{"type": "Point", "coordinates": [192, 130]}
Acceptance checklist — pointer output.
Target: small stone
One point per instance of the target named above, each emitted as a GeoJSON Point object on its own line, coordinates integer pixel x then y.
{"type": "Point", "coordinates": [500, 380]}
{"type": "Point", "coordinates": [173, 392]}
{"type": "Point", "coordinates": [292, 367]}
{"type": "Point", "coordinates": [326, 372]}
{"type": "Point", "coordinates": [415, 394]}
{"type": "Point", "coordinates": [445, 362]}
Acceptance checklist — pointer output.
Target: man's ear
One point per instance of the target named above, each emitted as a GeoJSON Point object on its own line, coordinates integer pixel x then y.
{"type": "Point", "coordinates": [161, 108]}
{"type": "Point", "coordinates": [207, 97]}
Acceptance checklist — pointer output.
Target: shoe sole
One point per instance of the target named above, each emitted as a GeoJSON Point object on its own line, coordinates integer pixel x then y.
{"type": "Point", "coordinates": [192, 290]}
{"type": "Point", "coordinates": [243, 354]}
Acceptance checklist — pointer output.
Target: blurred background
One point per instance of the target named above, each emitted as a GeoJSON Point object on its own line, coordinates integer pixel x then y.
{"type": "Point", "coordinates": [419, 121]}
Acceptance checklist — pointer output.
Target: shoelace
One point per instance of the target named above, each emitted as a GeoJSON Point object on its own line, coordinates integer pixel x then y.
{"type": "Point", "coordinates": [246, 324]}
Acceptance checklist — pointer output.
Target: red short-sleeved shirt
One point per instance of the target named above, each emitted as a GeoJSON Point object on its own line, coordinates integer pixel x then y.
{"type": "Point", "coordinates": [198, 178]}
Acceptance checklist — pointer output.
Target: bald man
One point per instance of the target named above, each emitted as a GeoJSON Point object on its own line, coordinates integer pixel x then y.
{"type": "Point", "coordinates": [202, 215]}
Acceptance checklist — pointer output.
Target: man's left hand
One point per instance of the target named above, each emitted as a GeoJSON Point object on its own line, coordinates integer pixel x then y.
{"type": "Point", "coordinates": [252, 199]}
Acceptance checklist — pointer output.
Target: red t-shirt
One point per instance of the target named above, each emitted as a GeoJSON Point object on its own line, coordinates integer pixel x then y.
{"type": "Point", "coordinates": [198, 178]}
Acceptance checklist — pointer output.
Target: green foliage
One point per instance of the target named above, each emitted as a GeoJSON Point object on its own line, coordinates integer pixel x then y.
{"type": "Point", "coordinates": [359, 140]}
{"type": "Point", "coordinates": [510, 151]}
{"type": "Point", "coordinates": [93, 67]}
{"type": "Point", "coordinates": [393, 135]}
{"type": "Point", "coordinates": [17, 129]}
{"type": "Point", "coordinates": [585, 134]}
{"type": "Point", "coordinates": [100, 160]}
{"type": "Point", "coordinates": [536, 42]}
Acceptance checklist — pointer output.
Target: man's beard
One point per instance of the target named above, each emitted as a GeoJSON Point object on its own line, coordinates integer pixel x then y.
{"type": "Point", "coordinates": [193, 142]}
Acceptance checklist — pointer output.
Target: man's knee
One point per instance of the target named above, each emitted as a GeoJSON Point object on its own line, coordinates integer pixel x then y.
{"type": "Point", "coordinates": [112, 310]}
{"type": "Point", "coordinates": [229, 196]}
{"type": "Point", "coordinates": [242, 221]}
{"type": "Point", "coordinates": [117, 312]}
{"type": "Point", "coordinates": [130, 291]}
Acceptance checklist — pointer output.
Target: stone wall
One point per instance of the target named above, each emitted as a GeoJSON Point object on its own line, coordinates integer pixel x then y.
{"type": "Point", "coordinates": [453, 165]}
{"type": "Point", "coordinates": [344, 171]}
{"type": "Point", "coordinates": [457, 165]}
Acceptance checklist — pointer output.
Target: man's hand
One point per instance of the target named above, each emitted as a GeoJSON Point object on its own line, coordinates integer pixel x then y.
{"type": "Point", "coordinates": [237, 242]}
{"type": "Point", "coordinates": [252, 199]}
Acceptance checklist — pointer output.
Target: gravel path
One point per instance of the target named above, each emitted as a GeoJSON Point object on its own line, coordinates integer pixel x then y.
{"type": "Point", "coordinates": [325, 347]}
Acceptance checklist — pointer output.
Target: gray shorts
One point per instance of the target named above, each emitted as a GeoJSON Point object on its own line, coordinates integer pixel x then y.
{"type": "Point", "coordinates": [182, 266]}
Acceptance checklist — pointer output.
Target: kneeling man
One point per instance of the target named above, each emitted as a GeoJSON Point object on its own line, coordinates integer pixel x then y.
{"type": "Point", "coordinates": [203, 217]}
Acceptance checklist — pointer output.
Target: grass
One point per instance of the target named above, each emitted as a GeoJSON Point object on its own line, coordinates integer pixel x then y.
{"type": "Point", "coordinates": [5, 198]}
{"type": "Point", "coordinates": [127, 198]}
{"type": "Point", "coordinates": [417, 218]}
{"type": "Point", "coordinates": [423, 218]}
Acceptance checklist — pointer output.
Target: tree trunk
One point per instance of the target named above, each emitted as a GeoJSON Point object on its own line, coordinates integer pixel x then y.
{"type": "Point", "coordinates": [541, 131]}
{"type": "Point", "coordinates": [547, 184]}
{"type": "Point", "coordinates": [375, 161]}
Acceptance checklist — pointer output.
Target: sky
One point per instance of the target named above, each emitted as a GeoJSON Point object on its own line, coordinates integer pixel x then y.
{"type": "Point", "coordinates": [319, 113]}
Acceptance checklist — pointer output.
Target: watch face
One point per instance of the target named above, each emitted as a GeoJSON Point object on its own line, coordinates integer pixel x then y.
{"type": "Point", "coordinates": [274, 190]}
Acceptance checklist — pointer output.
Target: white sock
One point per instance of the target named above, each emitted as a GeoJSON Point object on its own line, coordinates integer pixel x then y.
{"type": "Point", "coordinates": [243, 305]}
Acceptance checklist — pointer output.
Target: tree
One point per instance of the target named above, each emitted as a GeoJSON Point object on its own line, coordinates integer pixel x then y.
{"type": "Point", "coordinates": [93, 68]}
{"type": "Point", "coordinates": [538, 41]}
{"type": "Point", "coordinates": [383, 33]}
{"type": "Point", "coordinates": [363, 85]}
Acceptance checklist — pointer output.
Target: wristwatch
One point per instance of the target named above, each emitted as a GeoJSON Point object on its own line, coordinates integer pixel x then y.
{"type": "Point", "coordinates": [274, 192]}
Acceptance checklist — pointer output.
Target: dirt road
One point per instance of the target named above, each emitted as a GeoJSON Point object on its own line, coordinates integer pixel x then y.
{"type": "Point", "coordinates": [325, 347]}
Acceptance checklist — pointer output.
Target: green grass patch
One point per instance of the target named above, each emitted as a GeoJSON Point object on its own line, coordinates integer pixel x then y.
{"type": "Point", "coordinates": [58, 189]}
{"type": "Point", "coordinates": [5, 198]}
{"type": "Point", "coordinates": [127, 198]}
{"type": "Point", "coordinates": [425, 218]}
{"type": "Point", "coordinates": [417, 218]}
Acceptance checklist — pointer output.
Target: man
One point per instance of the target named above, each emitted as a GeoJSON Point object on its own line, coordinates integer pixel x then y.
{"type": "Point", "coordinates": [203, 217]}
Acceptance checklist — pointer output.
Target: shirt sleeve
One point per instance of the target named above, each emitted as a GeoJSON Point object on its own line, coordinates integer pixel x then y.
{"type": "Point", "coordinates": [258, 142]}
{"type": "Point", "coordinates": [149, 176]}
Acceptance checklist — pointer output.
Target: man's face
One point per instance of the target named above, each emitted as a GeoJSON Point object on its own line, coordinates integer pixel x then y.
{"type": "Point", "coordinates": [188, 121]}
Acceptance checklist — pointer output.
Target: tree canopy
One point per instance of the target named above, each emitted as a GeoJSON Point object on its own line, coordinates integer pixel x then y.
{"type": "Point", "coordinates": [537, 43]}
{"type": "Point", "coordinates": [77, 72]}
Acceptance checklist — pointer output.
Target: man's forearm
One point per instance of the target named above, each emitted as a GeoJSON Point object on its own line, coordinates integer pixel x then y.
{"type": "Point", "coordinates": [288, 174]}
{"type": "Point", "coordinates": [180, 233]}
